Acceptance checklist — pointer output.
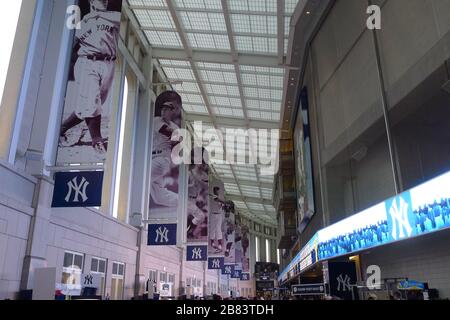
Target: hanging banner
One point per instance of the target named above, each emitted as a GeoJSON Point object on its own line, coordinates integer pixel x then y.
{"type": "Point", "coordinates": [216, 218]}
{"type": "Point", "coordinates": [215, 263]}
{"type": "Point", "coordinates": [162, 235]}
{"type": "Point", "coordinates": [245, 243]}
{"type": "Point", "coordinates": [78, 189]}
{"type": "Point", "coordinates": [229, 231]}
{"type": "Point", "coordinates": [164, 189]}
{"type": "Point", "coordinates": [198, 200]}
{"type": "Point", "coordinates": [85, 128]}
{"type": "Point", "coordinates": [228, 269]}
{"type": "Point", "coordinates": [196, 253]}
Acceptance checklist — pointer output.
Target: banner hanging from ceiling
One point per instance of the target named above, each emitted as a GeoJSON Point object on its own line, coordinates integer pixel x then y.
{"type": "Point", "coordinates": [85, 128]}
{"type": "Point", "coordinates": [229, 231]}
{"type": "Point", "coordinates": [164, 179]}
{"type": "Point", "coordinates": [198, 199]}
{"type": "Point", "coordinates": [216, 245]}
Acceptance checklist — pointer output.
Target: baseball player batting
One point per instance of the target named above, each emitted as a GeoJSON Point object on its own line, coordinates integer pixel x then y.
{"type": "Point", "coordinates": [168, 104]}
{"type": "Point", "coordinates": [95, 54]}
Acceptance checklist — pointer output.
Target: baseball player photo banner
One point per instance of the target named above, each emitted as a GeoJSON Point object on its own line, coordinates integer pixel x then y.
{"type": "Point", "coordinates": [164, 189]}
{"type": "Point", "coordinates": [245, 244]}
{"type": "Point", "coordinates": [229, 232]}
{"type": "Point", "coordinates": [198, 200]}
{"type": "Point", "coordinates": [85, 127]}
{"type": "Point", "coordinates": [217, 206]}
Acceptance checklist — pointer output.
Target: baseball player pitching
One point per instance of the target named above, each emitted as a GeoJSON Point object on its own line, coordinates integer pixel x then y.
{"type": "Point", "coordinates": [94, 56]}
{"type": "Point", "coordinates": [168, 108]}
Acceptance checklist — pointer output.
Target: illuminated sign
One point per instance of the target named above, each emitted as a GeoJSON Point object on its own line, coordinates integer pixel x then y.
{"type": "Point", "coordinates": [421, 210]}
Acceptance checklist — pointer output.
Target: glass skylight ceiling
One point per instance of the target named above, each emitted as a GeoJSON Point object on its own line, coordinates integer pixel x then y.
{"type": "Point", "coordinates": [224, 88]}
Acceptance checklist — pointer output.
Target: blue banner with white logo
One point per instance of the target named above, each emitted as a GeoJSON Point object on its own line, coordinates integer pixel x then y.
{"type": "Point", "coordinates": [162, 235]}
{"type": "Point", "coordinates": [245, 276]}
{"type": "Point", "coordinates": [228, 269]}
{"type": "Point", "coordinates": [196, 253]}
{"type": "Point", "coordinates": [236, 274]}
{"type": "Point", "coordinates": [215, 263]}
{"type": "Point", "coordinates": [78, 189]}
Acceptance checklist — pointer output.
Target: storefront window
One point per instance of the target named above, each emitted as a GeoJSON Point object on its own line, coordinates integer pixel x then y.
{"type": "Point", "coordinates": [98, 266]}
{"type": "Point", "coordinates": [117, 281]}
{"type": "Point", "coordinates": [71, 275]}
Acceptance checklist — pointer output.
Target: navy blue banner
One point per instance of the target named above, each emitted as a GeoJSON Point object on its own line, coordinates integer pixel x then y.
{"type": "Point", "coordinates": [245, 276]}
{"type": "Point", "coordinates": [216, 263]}
{"type": "Point", "coordinates": [236, 274]}
{"type": "Point", "coordinates": [228, 269]}
{"type": "Point", "coordinates": [196, 253]}
{"type": "Point", "coordinates": [162, 235]}
{"type": "Point", "coordinates": [78, 189]}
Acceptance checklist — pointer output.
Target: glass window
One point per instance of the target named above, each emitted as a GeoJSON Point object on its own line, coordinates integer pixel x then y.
{"type": "Point", "coordinates": [98, 266]}
{"type": "Point", "coordinates": [8, 23]}
{"type": "Point", "coordinates": [171, 278]}
{"type": "Point", "coordinates": [117, 281]}
{"type": "Point", "coordinates": [257, 253]}
{"type": "Point", "coordinates": [71, 275]}
{"type": "Point", "coordinates": [153, 275]}
{"type": "Point", "coordinates": [163, 276]}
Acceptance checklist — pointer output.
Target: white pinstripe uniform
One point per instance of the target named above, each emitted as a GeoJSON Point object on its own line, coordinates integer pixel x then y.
{"type": "Point", "coordinates": [94, 69]}
{"type": "Point", "coordinates": [161, 165]}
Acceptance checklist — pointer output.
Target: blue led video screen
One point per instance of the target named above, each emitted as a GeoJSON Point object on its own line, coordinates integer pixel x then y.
{"type": "Point", "coordinates": [421, 210]}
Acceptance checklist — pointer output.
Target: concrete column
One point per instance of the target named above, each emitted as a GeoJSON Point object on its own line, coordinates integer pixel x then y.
{"type": "Point", "coordinates": [35, 256]}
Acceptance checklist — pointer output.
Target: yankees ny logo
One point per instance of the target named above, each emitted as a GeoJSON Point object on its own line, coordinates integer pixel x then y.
{"type": "Point", "coordinates": [196, 254]}
{"type": "Point", "coordinates": [216, 263]}
{"type": "Point", "coordinates": [88, 280]}
{"type": "Point", "coordinates": [400, 223]}
{"type": "Point", "coordinates": [345, 282]}
{"type": "Point", "coordinates": [78, 189]}
{"type": "Point", "coordinates": [162, 235]}
{"type": "Point", "coordinates": [228, 269]}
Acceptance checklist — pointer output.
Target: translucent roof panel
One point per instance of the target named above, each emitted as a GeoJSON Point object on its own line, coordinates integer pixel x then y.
{"type": "Point", "coordinates": [215, 66]}
{"type": "Point", "coordinates": [256, 24]}
{"type": "Point", "coordinates": [225, 101]}
{"type": "Point", "coordinates": [189, 98]}
{"type": "Point", "coordinates": [190, 108]}
{"type": "Point", "coordinates": [148, 3]}
{"type": "Point", "coordinates": [179, 74]}
{"type": "Point", "coordinates": [219, 76]}
{"type": "Point", "coordinates": [187, 87]}
{"type": "Point", "coordinates": [203, 21]}
{"type": "Point", "coordinates": [198, 4]}
{"type": "Point", "coordinates": [256, 44]}
{"type": "Point", "coordinates": [155, 19]}
{"type": "Point", "coordinates": [209, 41]}
{"type": "Point", "coordinates": [266, 6]}
{"type": "Point", "coordinates": [218, 89]}
{"type": "Point", "coordinates": [289, 6]}
{"type": "Point", "coordinates": [163, 38]}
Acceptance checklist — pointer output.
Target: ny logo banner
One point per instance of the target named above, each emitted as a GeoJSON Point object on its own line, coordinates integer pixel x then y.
{"type": "Point", "coordinates": [78, 189]}
{"type": "Point", "coordinates": [236, 274]}
{"type": "Point", "coordinates": [196, 253]}
{"type": "Point", "coordinates": [162, 235]}
{"type": "Point", "coordinates": [228, 269]}
{"type": "Point", "coordinates": [245, 277]}
{"type": "Point", "coordinates": [215, 263]}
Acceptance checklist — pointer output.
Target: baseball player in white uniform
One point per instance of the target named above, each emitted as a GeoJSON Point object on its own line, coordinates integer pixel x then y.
{"type": "Point", "coordinates": [169, 105]}
{"type": "Point", "coordinates": [216, 219]}
{"type": "Point", "coordinates": [93, 72]}
{"type": "Point", "coordinates": [197, 203]}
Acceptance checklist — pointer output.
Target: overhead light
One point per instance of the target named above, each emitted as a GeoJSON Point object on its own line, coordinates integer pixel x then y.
{"type": "Point", "coordinates": [308, 12]}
